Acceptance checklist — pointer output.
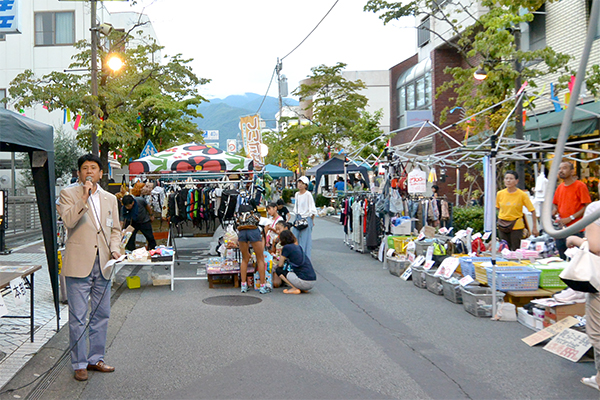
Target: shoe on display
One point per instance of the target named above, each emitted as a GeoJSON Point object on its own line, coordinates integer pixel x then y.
{"type": "Point", "coordinates": [244, 287]}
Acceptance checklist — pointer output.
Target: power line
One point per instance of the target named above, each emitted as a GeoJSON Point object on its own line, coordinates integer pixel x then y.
{"type": "Point", "coordinates": [294, 49]}
{"type": "Point", "coordinates": [303, 40]}
{"type": "Point", "coordinates": [266, 94]}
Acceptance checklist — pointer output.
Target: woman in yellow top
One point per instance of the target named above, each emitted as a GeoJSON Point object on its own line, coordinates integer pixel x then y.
{"type": "Point", "coordinates": [510, 202]}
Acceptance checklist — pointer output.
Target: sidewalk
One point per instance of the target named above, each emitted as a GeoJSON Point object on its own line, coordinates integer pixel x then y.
{"type": "Point", "coordinates": [15, 346]}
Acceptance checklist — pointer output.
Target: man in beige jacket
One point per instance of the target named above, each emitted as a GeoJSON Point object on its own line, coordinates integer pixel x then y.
{"type": "Point", "coordinates": [91, 216]}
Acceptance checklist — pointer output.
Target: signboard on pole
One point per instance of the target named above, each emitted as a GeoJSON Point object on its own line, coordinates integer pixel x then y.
{"type": "Point", "coordinates": [149, 149]}
{"type": "Point", "coordinates": [211, 135]}
{"type": "Point", "coordinates": [10, 17]}
{"type": "Point", "coordinates": [231, 145]}
{"type": "Point", "coordinates": [252, 139]}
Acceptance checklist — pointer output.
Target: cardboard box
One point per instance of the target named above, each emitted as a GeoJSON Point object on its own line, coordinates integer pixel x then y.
{"type": "Point", "coordinates": [556, 313]}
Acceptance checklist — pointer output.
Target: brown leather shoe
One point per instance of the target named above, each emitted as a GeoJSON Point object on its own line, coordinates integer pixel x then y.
{"type": "Point", "coordinates": [100, 366]}
{"type": "Point", "coordinates": [81, 375]}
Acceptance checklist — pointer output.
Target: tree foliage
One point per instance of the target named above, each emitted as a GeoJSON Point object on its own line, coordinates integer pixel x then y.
{"type": "Point", "coordinates": [336, 107]}
{"type": "Point", "coordinates": [145, 100]}
{"type": "Point", "coordinates": [488, 41]}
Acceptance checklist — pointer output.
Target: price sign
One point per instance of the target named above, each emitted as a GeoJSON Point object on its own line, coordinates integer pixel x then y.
{"type": "Point", "coordinates": [418, 262]}
{"type": "Point", "coordinates": [428, 265]}
{"type": "Point", "coordinates": [407, 274]}
{"type": "Point", "coordinates": [447, 267]}
{"type": "Point", "coordinates": [466, 280]}
{"type": "Point", "coordinates": [525, 244]}
{"type": "Point", "coordinates": [18, 289]}
{"type": "Point", "coordinates": [550, 331]}
{"type": "Point", "coordinates": [411, 257]}
{"type": "Point", "coordinates": [429, 254]}
{"type": "Point", "coordinates": [390, 252]}
{"type": "Point", "coordinates": [539, 247]}
{"type": "Point", "coordinates": [486, 235]}
{"type": "Point", "coordinates": [569, 344]}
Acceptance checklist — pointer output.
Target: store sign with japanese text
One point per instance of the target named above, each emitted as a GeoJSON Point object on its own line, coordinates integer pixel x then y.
{"type": "Point", "coordinates": [252, 139]}
{"type": "Point", "coordinates": [10, 18]}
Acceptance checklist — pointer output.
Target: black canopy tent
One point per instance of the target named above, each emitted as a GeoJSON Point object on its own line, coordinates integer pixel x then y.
{"type": "Point", "coordinates": [21, 134]}
{"type": "Point", "coordinates": [335, 166]}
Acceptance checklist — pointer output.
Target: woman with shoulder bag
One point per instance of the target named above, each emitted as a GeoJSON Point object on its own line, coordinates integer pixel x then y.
{"type": "Point", "coordinates": [510, 203]}
{"type": "Point", "coordinates": [592, 307]}
{"type": "Point", "coordinates": [305, 210]}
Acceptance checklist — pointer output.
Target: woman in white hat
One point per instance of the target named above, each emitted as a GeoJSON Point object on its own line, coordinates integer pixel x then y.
{"type": "Point", "coordinates": [305, 209]}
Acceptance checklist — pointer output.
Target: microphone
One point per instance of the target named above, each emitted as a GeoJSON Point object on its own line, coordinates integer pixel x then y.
{"type": "Point", "coordinates": [89, 179]}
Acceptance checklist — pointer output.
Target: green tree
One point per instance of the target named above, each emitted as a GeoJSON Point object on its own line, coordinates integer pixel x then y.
{"type": "Point", "coordinates": [336, 107]}
{"type": "Point", "coordinates": [490, 40]}
{"type": "Point", "coordinates": [366, 132]}
{"type": "Point", "coordinates": [147, 99]}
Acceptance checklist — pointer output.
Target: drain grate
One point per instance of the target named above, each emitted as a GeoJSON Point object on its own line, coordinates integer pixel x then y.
{"type": "Point", "coordinates": [231, 301]}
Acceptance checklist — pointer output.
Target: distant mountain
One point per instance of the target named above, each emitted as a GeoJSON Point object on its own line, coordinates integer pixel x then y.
{"type": "Point", "coordinates": [224, 114]}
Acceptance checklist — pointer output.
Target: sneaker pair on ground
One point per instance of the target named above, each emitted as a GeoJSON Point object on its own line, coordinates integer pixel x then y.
{"type": "Point", "coordinates": [264, 289]}
{"type": "Point", "coordinates": [569, 296]}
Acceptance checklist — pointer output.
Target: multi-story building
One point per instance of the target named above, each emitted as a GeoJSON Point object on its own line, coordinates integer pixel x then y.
{"type": "Point", "coordinates": [49, 29]}
{"type": "Point", "coordinates": [560, 25]}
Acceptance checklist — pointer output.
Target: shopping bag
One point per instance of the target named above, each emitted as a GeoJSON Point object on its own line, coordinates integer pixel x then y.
{"type": "Point", "coordinates": [582, 273]}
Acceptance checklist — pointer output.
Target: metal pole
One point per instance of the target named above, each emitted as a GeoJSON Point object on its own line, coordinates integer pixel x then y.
{"type": "Point", "coordinates": [94, 55]}
{"type": "Point", "coordinates": [520, 165]}
{"type": "Point", "coordinates": [457, 185]}
{"type": "Point", "coordinates": [280, 99]}
{"type": "Point", "coordinates": [493, 178]}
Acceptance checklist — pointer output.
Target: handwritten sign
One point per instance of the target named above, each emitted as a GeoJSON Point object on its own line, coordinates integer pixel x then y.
{"type": "Point", "coordinates": [466, 280]}
{"type": "Point", "coordinates": [447, 267]}
{"type": "Point", "coordinates": [428, 265]}
{"type": "Point", "coordinates": [411, 257]}
{"type": "Point", "coordinates": [418, 262]}
{"type": "Point", "coordinates": [417, 181]}
{"type": "Point", "coordinates": [487, 235]}
{"type": "Point", "coordinates": [429, 254]}
{"type": "Point", "coordinates": [550, 331]}
{"type": "Point", "coordinates": [407, 274]}
{"type": "Point", "coordinates": [18, 289]}
{"type": "Point", "coordinates": [525, 244]}
{"type": "Point", "coordinates": [569, 344]}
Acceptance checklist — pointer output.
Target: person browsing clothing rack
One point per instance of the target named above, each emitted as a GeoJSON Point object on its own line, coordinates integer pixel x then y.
{"type": "Point", "coordinates": [304, 208]}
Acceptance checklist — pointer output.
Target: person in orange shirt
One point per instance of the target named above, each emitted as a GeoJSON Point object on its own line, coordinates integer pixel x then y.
{"type": "Point", "coordinates": [510, 202]}
{"type": "Point", "coordinates": [570, 200]}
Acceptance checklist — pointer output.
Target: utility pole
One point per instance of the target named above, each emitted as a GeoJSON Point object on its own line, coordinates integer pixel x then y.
{"type": "Point", "coordinates": [278, 69]}
{"type": "Point", "coordinates": [520, 165]}
{"type": "Point", "coordinates": [94, 55]}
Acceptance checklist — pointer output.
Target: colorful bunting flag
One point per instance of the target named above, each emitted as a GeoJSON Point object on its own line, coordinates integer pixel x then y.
{"type": "Point", "coordinates": [77, 122]}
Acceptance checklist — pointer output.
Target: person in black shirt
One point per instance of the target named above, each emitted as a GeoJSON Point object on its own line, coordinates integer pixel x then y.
{"type": "Point", "coordinates": [137, 213]}
{"type": "Point", "coordinates": [282, 209]}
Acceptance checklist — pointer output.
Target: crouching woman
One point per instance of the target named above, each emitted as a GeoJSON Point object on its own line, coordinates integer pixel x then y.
{"type": "Point", "coordinates": [294, 267]}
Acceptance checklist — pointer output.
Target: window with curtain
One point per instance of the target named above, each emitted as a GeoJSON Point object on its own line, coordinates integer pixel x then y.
{"type": "Point", "coordinates": [54, 28]}
{"type": "Point", "coordinates": [2, 96]}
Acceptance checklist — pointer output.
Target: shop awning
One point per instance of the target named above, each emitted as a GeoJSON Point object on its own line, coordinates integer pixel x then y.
{"type": "Point", "coordinates": [546, 126]}
{"type": "Point", "coordinates": [277, 172]}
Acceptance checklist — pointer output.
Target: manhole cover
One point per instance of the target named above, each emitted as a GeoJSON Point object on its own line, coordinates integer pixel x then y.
{"type": "Point", "coordinates": [231, 301]}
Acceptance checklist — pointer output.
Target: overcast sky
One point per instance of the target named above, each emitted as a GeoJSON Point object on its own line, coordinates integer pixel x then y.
{"type": "Point", "coordinates": [236, 43]}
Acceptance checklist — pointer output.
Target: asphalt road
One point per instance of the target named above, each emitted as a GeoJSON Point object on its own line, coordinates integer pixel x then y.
{"type": "Point", "coordinates": [360, 334]}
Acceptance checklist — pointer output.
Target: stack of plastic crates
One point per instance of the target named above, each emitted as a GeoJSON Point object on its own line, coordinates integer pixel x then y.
{"type": "Point", "coordinates": [478, 300]}
{"type": "Point", "coordinates": [434, 283]}
{"type": "Point", "coordinates": [514, 278]}
{"type": "Point", "coordinates": [467, 267]}
{"type": "Point", "coordinates": [549, 278]}
{"type": "Point", "coordinates": [418, 277]}
{"type": "Point", "coordinates": [452, 289]}
{"type": "Point", "coordinates": [400, 243]}
{"type": "Point", "coordinates": [481, 273]}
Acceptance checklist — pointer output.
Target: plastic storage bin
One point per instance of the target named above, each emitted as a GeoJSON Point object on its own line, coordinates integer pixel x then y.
{"type": "Point", "coordinates": [549, 277]}
{"type": "Point", "coordinates": [481, 273]}
{"type": "Point", "coordinates": [396, 266]}
{"type": "Point", "coordinates": [418, 277]}
{"type": "Point", "coordinates": [514, 278]}
{"type": "Point", "coordinates": [478, 300]}
{"type": "Point", "coordinates": [400, 243]}
{"type": "Point", "coordinates": [422, 246]}
{"type": "Point", "coordinates": [467, 267]}
{"type": "Point", "coordinates": [434, 283]}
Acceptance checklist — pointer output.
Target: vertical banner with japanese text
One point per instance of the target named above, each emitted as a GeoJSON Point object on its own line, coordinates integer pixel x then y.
{"type": "Point", "coordinates": [251, 137]}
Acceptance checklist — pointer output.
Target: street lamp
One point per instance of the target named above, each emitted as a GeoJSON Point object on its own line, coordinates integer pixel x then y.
{"type": "Point", "coordinates": [480, 74]}
{"type": "Point", "coordinates": [114, 62]}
